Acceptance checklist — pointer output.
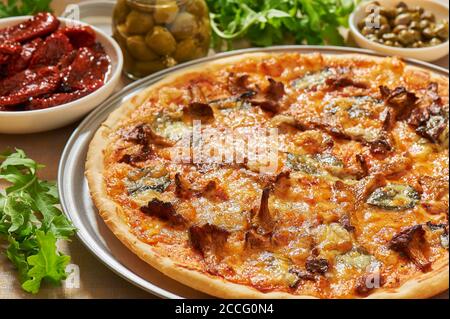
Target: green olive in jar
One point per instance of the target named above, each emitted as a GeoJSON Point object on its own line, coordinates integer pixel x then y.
{"type": "Point", "coordinates": [139, 22]}
{"type": "Point", "coordinates": [161, 41]}
{"type": "Point", "coordinates": [184, 26]}
{"type": "Point", "coordinates": [144, 68]}
{"type": "Point", "coordinates": [139, 49]}
{"type": "Point", "coordinates": [197, 7]}
{"type": "Point", "coordinates": [120, 35]}
{"type": "Point", "coordinates": [158, 34]}
{"type": "Point", "coordinates": [186, 50]}
{"type": "Point", "coordinates": [165, 11]}
{"type": "Point", "coordinates": [204, 34]}
{"type": "Point", "coordinates": [121, 11]}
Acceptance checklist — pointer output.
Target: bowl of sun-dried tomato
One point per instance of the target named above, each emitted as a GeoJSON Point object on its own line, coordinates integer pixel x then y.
{"type": "Point", "coordinates": [53, 71]}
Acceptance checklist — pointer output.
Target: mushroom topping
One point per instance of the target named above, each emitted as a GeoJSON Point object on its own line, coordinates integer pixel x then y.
{"type": "Point", "coordinates": [268, 100]}
{"type": "Point", "coordinates": [412, 243]}
{"type": "Point", "coordinates": [199, 111]}
{"type": "Point", "coordinates": [400, 100]}
{"type": "Point", "coordinates": [263, 221]}
{"type": "Point", "coordinates": [207, 238]}
{"type": "Point", "coordinates": [317, 265]}
{"type": "Point", "coordinates": [144, 135]}
{"type": "Point", "coordinates": [164, 211]}
{"type": "Point", "coordinates": [336, 83]}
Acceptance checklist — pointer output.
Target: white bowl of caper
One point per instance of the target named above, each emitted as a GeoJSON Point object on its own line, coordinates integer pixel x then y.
{"type": "Point", "coordinates": [415, 29]}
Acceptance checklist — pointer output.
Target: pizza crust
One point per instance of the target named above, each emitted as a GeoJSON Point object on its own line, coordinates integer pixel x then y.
{"type": "Point", "coordinates": [423, 285]}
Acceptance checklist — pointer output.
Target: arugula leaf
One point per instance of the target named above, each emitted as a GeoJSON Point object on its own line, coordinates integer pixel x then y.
{"type": "Point", "coordinates": [31, 222]}
{"type": "Point", "coordinates": [269, 22]}
{"type": "Point", "coordinates": [14, 8]}
{"type": "Point", "coordinates": [47, 264]}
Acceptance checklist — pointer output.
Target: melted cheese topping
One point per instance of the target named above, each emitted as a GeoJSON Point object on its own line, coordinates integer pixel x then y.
{"type": "Point", "coordinates": [326, 183]}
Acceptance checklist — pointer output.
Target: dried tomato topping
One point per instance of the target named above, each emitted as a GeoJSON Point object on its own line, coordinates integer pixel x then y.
{"type": "Point", "coordinates": [42, 66]}
{"type": "Point", "coordinates": [52, 51]}
{"type": "Point", "coordinates": [86, 71]}
{"type": "Point", "coordinates": [28, 84]}
{"type": "Point", "coordinates": [80, 36]}
{"type": "Point", "coordinates": [40, 25]}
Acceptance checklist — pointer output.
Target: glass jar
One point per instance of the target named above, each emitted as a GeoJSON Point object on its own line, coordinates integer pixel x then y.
{"type": "Point", "coordinates": [157, 34]}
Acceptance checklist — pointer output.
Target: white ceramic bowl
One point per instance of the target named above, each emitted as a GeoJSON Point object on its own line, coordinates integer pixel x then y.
{"type": "Point", "coordinates": [425, 54]}
{"type": "Point", "coordinates": [65, 114]}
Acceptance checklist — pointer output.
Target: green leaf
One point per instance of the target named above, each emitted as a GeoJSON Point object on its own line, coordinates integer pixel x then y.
{"type": "Point", "coordinates": [31, 221]}
{"type": "Point", "coordinates": [24, 7]}
{"type": "Point", "coordinates": [47, 264]}
{"type": "Point", "coordinates": [270, 22]}
{"type": "Point", "coordinates": [18, 258]}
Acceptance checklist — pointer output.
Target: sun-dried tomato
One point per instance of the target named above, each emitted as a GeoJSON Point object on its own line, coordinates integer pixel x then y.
{"type": "Point", "coordinates": [86, 71]}
{"type": "Point", "coordinates": [57, 99]}
{"type": "Point", "coordinates": [42, 66]}
{"type": "Point", "coordinates": [21, 87]}
{"type": "Point", "coordinates": [21, 61]}
{"type": "Point", "coordinates": [80, 36]}
{"type": "Point", "coordinates": [52, 51]}
{"type": "Point", "coordinates": [40, 25]}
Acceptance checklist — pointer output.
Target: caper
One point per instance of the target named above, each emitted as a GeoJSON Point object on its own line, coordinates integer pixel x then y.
{"type": "Point", "coordinates": [401, 8]}
{"type": "Point", "coordinates": [416, 34]}
{"type": "Point", "coordinates": [184, 26]}
{"type": "Point", "coordinates": [186, 50]}
{"type": "Point", "coordinates": [388, 13]}
{"type": "Point", "coordinates": [418, 44]}
{"type": "Point", "coordinates": [415, 16]}
{"type": "Point", "coordinates": [406, 37]}
{"type": "Point", "coordinates": [197, 7]}
{"type": "Point", "coordinates": [361, 24]}
{"type": "Point", "coordinates": [367, 31]}
{"type": "Point", "coordinates": [435, 41]}
{"type": "Point", "coordinates": [139, 22]}
{"type": "Point", "coordinates": [401, 4]}
{"type": "Point", "coordinates": [414, 25]}
{"type": "Point", "coordinates": [145, 68]}
{"type": "Point", "coordinates": [390, 37]}
{"type": "Point", "coordinates": [428, 33]}
{"type": "Point", "coordinates": [372, 37]}
{"type": "Point", "coordinates": [424, 24]}
{"type": "Point", "coordinates": [161, 41]}
{"type": "Point", "coordinates": [399, 28]}
{"type": "Point", "coordinates": [389, 43]}
{"type": "Point", "coordinates": [139, 50]}
{"type": "Point", "coordinates": [403, 19]}
{"type": "Point", "coordinates": [385, 28]}
{"type": "Point", "coordinates": [121, 11]}
{"type": "Point", "coordinates": [165, 12]}
{"type": "Point", "coordinates": [428, 16]}
{"type": "Point", "coordinates": [397, 44]}
{"type": "Point", "coordinates": [418, 9]}
{"type": "Point", "coordinates": [441, 30]}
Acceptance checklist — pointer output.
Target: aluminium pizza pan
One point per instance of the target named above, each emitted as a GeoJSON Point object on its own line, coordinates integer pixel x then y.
{"type": "Point", "coordinates": [78, 206]}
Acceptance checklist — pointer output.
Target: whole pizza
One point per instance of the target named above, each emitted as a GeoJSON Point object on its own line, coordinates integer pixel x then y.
{"type": "Point", "coordinates": [287, 175]}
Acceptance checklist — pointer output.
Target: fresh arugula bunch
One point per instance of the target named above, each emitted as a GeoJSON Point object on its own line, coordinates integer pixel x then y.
{"type": "Point", "coordinates": [13, 8]}
{"type": "Point", "coordinates": [270, 22]}
{"type": "Point", "coordinates": [31, 222]}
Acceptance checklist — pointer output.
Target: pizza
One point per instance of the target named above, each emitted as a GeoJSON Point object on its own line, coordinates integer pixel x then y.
{"type": "Point", "coordinates": [283, 175]}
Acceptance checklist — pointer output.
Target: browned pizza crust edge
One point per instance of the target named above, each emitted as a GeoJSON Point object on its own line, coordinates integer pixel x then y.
{"type": "Point", "coordinates": [424, 285]}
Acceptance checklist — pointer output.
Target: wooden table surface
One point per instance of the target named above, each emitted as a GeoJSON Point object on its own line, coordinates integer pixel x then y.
{"type": "Point", "coordinates": [91, 278]}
